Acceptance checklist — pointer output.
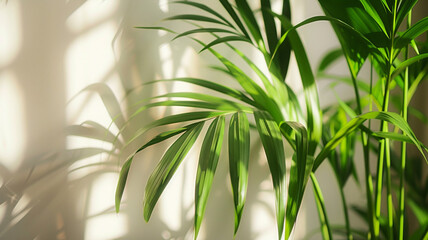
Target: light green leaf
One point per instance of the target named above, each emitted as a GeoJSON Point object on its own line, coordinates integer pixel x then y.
{"type": "Point", "coordinates": [264, 102]}
{"type": "Point", "coordinates": [239, 155]}
{"type": "Point", "coordinates": [167, 167]}
{"type": "Point", "coordinates": [208, 159]}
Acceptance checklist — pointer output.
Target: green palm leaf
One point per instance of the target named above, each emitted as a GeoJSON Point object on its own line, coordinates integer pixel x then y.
{"type": "Point", "coordinates": [166, 168]}
{"type": "Point", "coordinates": [123, 175]}
{"type": "Point", "coordinates": [239, 155]}
{"type": "Point", "coordinates": [271, 138]}
{"type": "Point", "coordinates": [208, 159]}
{"type": "Point", "coordinates": [352, 125]}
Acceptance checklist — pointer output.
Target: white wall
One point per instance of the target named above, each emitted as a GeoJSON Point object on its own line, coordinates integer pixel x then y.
{"type": "Point", "coordinates": [55, 186]}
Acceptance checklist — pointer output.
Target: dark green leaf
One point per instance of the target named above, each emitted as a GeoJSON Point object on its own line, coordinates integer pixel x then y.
{"type": "Point", "coordinates": [410, 34]}
{"type": "Point", "coordinates": [313, 111]}
{"type": "Point", "coordinates": [123, 176]}
{"type": "Point", "coordinates": [352, 125]}
{"type": "Point", "coordinates": [234, 16]}
{"type": "Point", "coordinates": [195, 17]}
{"type": "Point", "coordinates": [226, 39]}
{"type": "Point", "coordinates": [239, 155]}
{"type": "Point", "coordinates": [203, 30]}
{"type": "Point", "coordinates": [206, 9]}
{"type": "Point", "coordinates": [270, 136]}
{"type": "Point", "coordinates": [251, 22]}
{"type": "Point", "coordinates": [299, 174]}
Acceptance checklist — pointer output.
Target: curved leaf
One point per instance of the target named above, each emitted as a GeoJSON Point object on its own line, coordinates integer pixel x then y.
{"type": "Point", "coordinates": [195, 17]}
{"type": "Point", "coordinates": [123, 176]}
{"type": "Point", "coordinates": [352, 125]}
{"type": "Point", "coordinates": [203, 30]}
{"type": "Point", "coordinates": [206, 9]}
{"type": "Point", "coordinates": [177, 118]}
{"type": "Point", "coordinates": [299, 174]}
{"type": "Point", "coordinates": [271, 138]}
{"type": "Point", "coordinates": [407, 63]}
{"type": "Point", "coordinates": [239, 155]}
{"type": "Point", "coordinates": [208, 159]}
{"type": "Point", "coordinates": [234, 16]}
{"type": "Point", "coordinates": [329, 58]}
{"type": "Point", "coordinates": [410, 34]}
{"type": "Point", "coordinates": [212, 86]}
{"type": "Point", "coordinates": [226, 39]}
{"type": "Point", "coordinates": [313, 111]}
{"type": "Point", "coordinates": [166, 168]}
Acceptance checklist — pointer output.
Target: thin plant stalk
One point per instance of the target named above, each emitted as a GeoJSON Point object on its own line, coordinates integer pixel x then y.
{"type": "Point", "coordinates": [384, 154]}
{"type": "Point", "coordinates": [403, 145]}
{"type": "Point", "coordinates": [366, 150]}
{"type": "Point", "coordinates": [345, 211]}
{"type": "Point", "coordinates": [319, 199]}
{"type": "Point", "coordinates": [368, 175]}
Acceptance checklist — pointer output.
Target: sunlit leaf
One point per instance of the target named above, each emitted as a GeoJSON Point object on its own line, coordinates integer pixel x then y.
{"type": "Point", "coordinates": [167, 167]}
{"type": "Point", "coordinates": [271, 138]}
{"type": "Point", "coordinates": [208, 159]}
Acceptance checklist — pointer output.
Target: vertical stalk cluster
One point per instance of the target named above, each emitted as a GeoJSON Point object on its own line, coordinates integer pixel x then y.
{"type": "Point", "coordinates": [384, 145]}
{"type": "Point", "coordinates": [403, 144]}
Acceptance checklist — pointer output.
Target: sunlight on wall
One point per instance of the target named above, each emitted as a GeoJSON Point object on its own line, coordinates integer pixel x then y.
{"type": "Point", "coordinates": [90, 14]}
{"type": "Point", "coordinates": [163, 5]}
{"type": "Point", "coordinates": [10, 26]}
{"type": "Point", "coordinates": [165, 56]}
{"type": "Point", "coordinates": [103, 222]}
{"type": "Point", "coordinates": [91, 58]}
{"type": "Point", "coordinates": [12, 117]}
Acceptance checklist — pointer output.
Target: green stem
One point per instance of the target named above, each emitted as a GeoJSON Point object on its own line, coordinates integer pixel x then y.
{"type": "Point", "coordinates": [319, 199]}
{"type": "Point", "coordinates": [368, 175]}
{"type": "Point", "coordinates": [403, 146]}
{"type": "Point", "coordinates": [345, 211]}
{"type": "Point", "coordinates": [384, 146]}
{"type": "Point", "coordinates": [366, 149]}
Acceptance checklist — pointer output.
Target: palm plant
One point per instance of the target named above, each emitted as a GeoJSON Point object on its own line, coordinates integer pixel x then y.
{"type": "Point", "coordinates": [364, 29]}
